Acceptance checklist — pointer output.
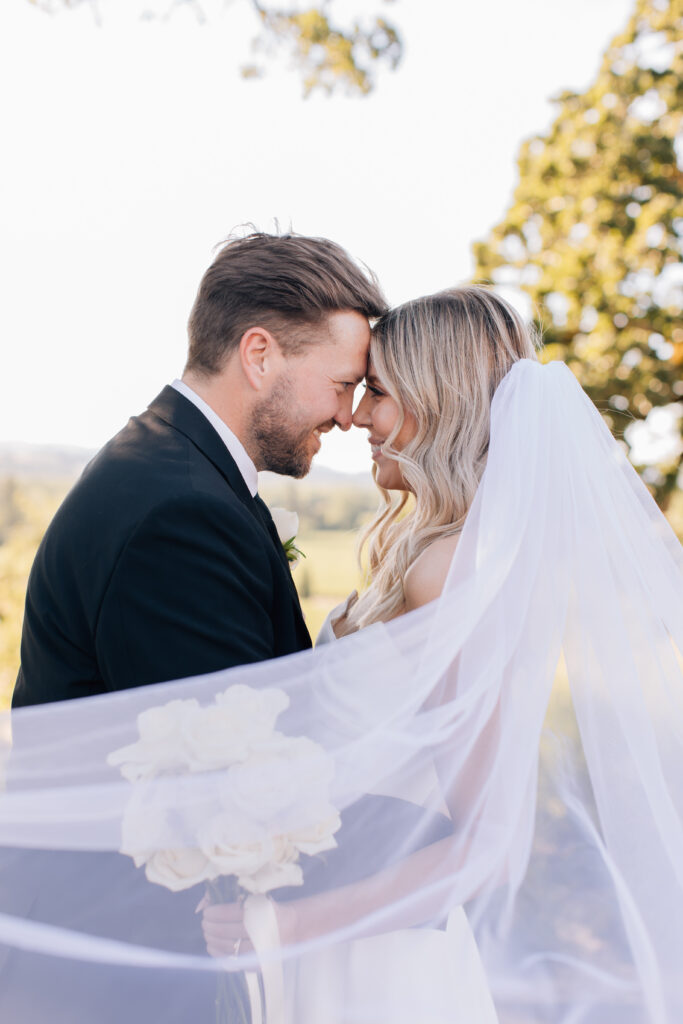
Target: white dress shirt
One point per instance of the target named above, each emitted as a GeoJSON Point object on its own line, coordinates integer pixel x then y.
{"type": "Point", "coordinates": [230, 440]}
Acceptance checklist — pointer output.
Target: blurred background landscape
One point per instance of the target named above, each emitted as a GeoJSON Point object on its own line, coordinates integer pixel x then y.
{"type": "Point", "coordinates": [539, 148]}
{"type": "Point", "coordinates": [33, 480]}
{"type": "Point", "coordinates": [332, 507]}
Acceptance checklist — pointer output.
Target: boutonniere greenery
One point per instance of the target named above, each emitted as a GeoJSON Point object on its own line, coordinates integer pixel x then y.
{"type": "Point", "coordinates": [287, 526]}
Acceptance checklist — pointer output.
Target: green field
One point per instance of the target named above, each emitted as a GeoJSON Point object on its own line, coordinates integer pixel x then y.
{"type": "Point", "coordinates": [327, 575]}
{"type": "Point", "coordinates": [324, 578]}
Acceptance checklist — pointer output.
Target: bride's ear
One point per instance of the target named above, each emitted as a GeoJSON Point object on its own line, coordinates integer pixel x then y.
{"type": "Point", "coordinates": [260, 357]}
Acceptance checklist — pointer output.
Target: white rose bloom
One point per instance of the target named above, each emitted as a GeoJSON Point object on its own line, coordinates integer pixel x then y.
{"type": "Point", "coordinates": [143, 828]}
{"type": "Point", "coordinates": [179, 869]}
{"type": "Point", "coordinates": [317, 837]}
{"type": "Point", "coordinates": [264, 788]}
{"type": "Point", "coordinates": [272, 876]}
{"type": "Point", "coordinates": [284, 786]}
{"type": "Point", "coordinates": [224, 733]}
{"type": "Point", "coordinates": [214, 738]}
{"type": "Point", "coordinates": [303, 755]}
{"type": "Point", "coordinates": [286, 523]}
{"type": "Point", "coordinates": [258, 708]}
{"type": "Point", "coordinates": [160, 746]}
{"type": "Point", "coordinates": [237, 846]}
{"type": "Point", "coordinates": [160, 723]}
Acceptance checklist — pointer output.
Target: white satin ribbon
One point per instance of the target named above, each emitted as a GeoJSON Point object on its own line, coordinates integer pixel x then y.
{"type": "Point", "coordinates": [254, 993]}
{"type": "Point", "coordinates": [260, 922]}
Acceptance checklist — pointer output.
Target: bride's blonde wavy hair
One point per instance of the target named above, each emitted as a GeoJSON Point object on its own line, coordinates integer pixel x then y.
{"type": "Point", "coordinates": [441, 357]}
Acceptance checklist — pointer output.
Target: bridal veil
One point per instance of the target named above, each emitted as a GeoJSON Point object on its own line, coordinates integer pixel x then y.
{"type": "Point", "coordinates": [478, 805]}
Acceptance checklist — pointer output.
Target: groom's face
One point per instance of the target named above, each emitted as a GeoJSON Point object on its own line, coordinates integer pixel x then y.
{"type": "Point", "coordinates": [312, 394]}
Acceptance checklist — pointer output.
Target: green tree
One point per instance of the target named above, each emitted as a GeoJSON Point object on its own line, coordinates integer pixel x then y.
{"type": "Point", "coordinates": [594, 235]}
{"type": "Point", "coordinates": [330, 55]}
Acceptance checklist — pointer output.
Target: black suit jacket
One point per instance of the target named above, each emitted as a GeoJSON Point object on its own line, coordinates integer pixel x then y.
{"type": "Point", "coordinates": [158, 565]}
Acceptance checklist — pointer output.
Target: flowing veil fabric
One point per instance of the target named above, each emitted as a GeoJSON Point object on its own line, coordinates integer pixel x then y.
{"type": "Point", "coordinates": [510, 756]}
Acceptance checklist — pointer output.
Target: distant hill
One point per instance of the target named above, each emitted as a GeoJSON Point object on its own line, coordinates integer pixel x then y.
{"type": "Point", "coordinates": [321, 477]}
{"type": "Point", "coordinates": [25, 461]}
{"type": "Point", "coordinates": [44, 461]}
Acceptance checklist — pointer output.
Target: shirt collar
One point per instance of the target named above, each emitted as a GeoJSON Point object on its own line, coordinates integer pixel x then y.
{"type": "Point", "coordinates": [230, 440]}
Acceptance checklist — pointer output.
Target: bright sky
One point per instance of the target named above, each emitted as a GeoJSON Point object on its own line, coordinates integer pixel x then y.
{"type": "Point", "coordinates": [131, 149]}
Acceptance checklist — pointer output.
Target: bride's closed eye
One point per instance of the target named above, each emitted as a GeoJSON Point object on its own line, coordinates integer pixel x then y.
{"type": "Point", "coordinates": [374, 390]}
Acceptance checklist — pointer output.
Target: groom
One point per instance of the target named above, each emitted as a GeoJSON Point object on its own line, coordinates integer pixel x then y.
{"type": "Point", "coordinates": [163, 562]}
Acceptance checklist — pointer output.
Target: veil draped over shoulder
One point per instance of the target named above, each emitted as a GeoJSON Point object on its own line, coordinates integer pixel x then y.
{"type": "Point", "coordinates": [473, 812]}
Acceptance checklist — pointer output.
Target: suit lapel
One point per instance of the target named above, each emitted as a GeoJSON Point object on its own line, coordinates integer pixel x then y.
{"type": "Point", "coordinates": [174, 409]}
{"type": "Point", "coordinates": [267, 519]}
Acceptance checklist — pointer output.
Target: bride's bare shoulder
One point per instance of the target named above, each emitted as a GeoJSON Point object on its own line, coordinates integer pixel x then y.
{"type": "Point", "coordinates": [425, 578]}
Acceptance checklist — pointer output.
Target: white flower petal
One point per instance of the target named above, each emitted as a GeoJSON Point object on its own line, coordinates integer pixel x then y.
{"type": "Point", "coordinates": [286, 523]}
{"type": "Point", "coordinates": [179, 869]}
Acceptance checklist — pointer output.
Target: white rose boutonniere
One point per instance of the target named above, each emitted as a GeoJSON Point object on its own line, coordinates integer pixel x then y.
{"type": "Point", "coordinates": [287, 526]}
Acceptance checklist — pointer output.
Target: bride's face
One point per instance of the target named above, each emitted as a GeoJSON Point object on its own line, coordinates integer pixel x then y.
{"type": "Point", "coordinates": [378, 413]}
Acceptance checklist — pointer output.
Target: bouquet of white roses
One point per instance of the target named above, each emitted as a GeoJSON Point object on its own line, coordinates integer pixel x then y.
{"type": "Point", "coordinates": [268, 803]}
{"type": "Point", "coordinates": [218, 793]}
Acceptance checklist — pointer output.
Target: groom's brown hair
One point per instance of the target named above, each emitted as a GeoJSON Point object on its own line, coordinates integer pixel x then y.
{"type": "Point", "coordinates": [287, 283]}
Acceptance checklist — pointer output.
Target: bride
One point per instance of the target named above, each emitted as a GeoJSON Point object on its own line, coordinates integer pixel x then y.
{"type": "Point", "coordinates": [471, 808]}
{"type": "Point", "coordinates": [435, 366]}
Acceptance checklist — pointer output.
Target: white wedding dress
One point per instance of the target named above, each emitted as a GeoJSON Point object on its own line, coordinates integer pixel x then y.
{"type": "Point", "coordinates": [416, 975]}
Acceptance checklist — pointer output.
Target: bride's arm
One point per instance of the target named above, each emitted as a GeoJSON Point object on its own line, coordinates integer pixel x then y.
{"type": "Point", "coordinates": [424, 582]}
{"type": "Point", "coordinates": [434, 865]}
{"type": "Point", "coordinates": [416, 890]}
{"type": "Point", "coordinates": [344, 906]}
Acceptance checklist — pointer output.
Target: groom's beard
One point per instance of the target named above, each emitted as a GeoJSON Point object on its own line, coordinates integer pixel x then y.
{"type": "Point", "coordinates": [284, 444]}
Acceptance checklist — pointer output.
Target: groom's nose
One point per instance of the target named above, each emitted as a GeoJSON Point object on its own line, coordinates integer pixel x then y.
{"type": "Point", "coordinates": [344, 416]}
{"type": "Point", "coordinates": [360, 417]}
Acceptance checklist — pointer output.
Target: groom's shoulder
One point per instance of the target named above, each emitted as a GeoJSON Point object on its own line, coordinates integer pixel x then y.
{"type": "Point", "coordinates": [147, 465]}
{"type": "Point", "coordinates": [143, 458]}
{"type": "Point", "coordinates": [148, 452]}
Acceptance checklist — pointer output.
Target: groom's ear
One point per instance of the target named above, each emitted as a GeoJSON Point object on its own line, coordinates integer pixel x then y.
{"type": "Point", "coordinates": [260, 357]}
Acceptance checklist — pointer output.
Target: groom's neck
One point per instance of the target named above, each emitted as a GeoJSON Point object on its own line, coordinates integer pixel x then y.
{"type": "Point", "coordinates": [222, 393]}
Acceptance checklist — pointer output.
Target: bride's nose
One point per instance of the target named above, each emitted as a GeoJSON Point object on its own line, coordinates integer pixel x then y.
{"type": "Point", "coordinates": [361, 417]}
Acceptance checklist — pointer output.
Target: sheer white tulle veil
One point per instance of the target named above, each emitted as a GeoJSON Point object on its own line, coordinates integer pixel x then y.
{"type": "Point", "coordinates": [504, 764]}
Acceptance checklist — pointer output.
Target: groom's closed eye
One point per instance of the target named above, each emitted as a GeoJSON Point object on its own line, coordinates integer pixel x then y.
{"type": "Point", "coordinates": [346, 384]}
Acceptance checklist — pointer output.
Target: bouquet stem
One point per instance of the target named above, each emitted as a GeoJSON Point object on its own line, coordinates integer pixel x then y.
{"type": "Point", "coordinates": [234, 996]}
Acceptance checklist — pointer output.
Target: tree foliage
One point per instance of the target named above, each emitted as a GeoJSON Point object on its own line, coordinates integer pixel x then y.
{"type": "Point", "coordinates": [594, 235]}
{"type": "Point", "coordinates": [331, 56]}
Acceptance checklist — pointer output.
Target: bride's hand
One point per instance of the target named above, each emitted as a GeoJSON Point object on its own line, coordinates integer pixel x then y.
{"type": "Point", "coordinates": [224, 931]}
{"type": "Point", "coordinates": [225, 934]}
